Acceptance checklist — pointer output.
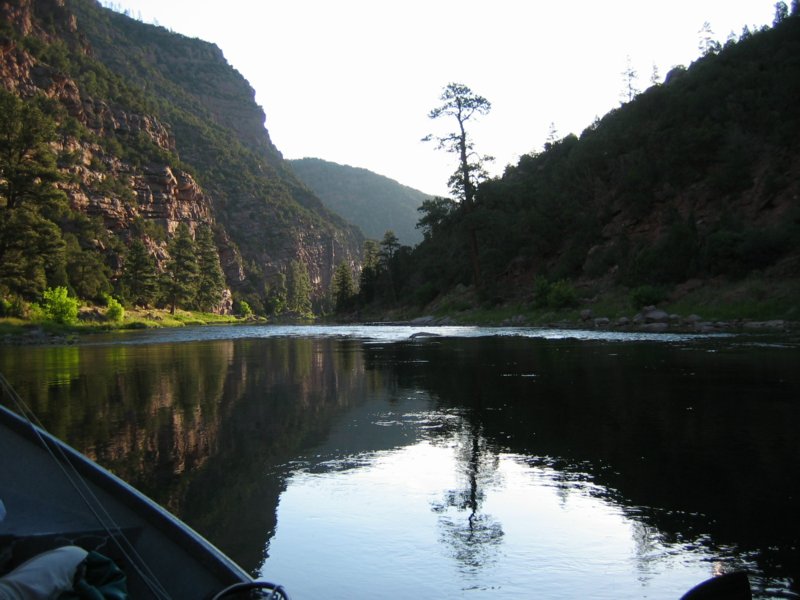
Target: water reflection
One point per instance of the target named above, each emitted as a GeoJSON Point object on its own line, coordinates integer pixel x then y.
{"type": "Point", "coordinates": [504, 464]}
{"type": "Point", "coordinates": [473, 535]}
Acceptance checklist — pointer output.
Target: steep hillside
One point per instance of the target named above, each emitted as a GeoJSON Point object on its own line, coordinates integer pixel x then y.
{"type": "Point", "coordinates": [373, 202]}
{"type": "Point", "coordinates": [156, 129]}
{"type": "Point", "coordinates": [694, 179]}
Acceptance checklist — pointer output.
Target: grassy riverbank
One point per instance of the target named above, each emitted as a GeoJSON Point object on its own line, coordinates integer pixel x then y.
{"type": "Point", "coordinates": [734, 304]}
{"type": "Point", "coordinates": [92, 321]}
{"type": "Point", "coordinates": [752, 299]}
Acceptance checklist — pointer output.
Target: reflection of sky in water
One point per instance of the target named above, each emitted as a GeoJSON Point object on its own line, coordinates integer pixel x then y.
{"type": "Point", "coordinates": [380, 333]}
{"type": "Point", "coordinates": [387, 528]}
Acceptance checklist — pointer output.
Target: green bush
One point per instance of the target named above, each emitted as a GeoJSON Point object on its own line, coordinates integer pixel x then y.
{"type": "Point", "coordinates": [242, 308]}
{"type": "Point", "coordinates": [115, 311]}
{"type": "Point", "coordinates": [556, 295]}
{"type": "Point", "coordinates": [541, 289]}
{"type": "Point", "coordinates": [425, 294]}
{"type": "Point", "coordinates": [58, 307]}
{"type": "Point", "coordinates": [647, 295]}
{"type": "Point", "coordinates": [562, 295]}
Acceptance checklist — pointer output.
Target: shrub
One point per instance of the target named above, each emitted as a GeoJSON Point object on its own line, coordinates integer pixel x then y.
{"type": "Point", "coordinates": [425, 294]}
{"type": "Point", "coordinates": [242, 308]}
{"type": "Point", "coordinates": [115, 311]}
{"type": "Point", "coordinates": [562, 295]}
{"type": "Point", "coordinates": [541, 289]}
{"type": "Point", "coordinates": [646, 295]}
{"type": "Point", "coordinates": [58, 307]}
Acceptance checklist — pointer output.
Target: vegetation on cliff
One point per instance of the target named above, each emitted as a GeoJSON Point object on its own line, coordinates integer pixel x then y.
{"type": "Point", "coordinates": [130, 135]}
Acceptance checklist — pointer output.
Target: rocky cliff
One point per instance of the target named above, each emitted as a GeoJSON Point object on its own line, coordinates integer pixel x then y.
{"type": "Point", "coordinates": [156, 129]}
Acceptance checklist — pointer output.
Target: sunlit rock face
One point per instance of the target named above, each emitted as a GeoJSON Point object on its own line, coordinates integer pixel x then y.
{"type": "Point", "coordinates": [164, 132]}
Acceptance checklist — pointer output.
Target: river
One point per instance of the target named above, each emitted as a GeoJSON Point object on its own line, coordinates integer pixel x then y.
{"type": "Point", "coordinates": [371, 462]}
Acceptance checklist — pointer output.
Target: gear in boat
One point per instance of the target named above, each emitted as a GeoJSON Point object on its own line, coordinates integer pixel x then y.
{"type": "Point", "coordinates": [54, 496]}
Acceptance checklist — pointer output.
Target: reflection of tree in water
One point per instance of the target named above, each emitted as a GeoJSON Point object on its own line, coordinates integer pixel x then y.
{"type": "Point", "coordinates": [473, 535]}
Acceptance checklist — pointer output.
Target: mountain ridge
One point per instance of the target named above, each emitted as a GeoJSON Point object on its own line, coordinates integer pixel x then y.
{"type": "Point", "coordinates": [372, 201]}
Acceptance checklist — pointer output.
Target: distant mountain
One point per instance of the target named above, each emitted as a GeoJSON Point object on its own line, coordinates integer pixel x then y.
{"type": "Point", "coordinates": [373, 202]}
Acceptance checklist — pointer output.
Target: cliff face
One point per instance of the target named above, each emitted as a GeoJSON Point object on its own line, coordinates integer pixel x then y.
{"type": "Point", "coordinates": [157, 129]}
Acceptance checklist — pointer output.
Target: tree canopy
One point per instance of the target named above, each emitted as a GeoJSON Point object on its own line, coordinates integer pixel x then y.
{"type": "Point", "coordinates": [462, 104]}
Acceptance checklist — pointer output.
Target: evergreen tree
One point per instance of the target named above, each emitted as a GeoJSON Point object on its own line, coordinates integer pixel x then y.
{"type": "Point", "coordinates": [368, 280]}
{"type": "Point", "coordinates": [32, 253]}
{"type": "Point", "coordinates": [275, 295]}
{"type": "Point", "coordinates": [210, 280]}
{"type": "Point", "coordinates": [27, 164]}
{"type": "Point", "coordinates": [32, 250]}
{"type": "Point", "coordinates": [389, 246]}
{"type": "Point", "coordinates": [629, 76]}
{"type": "Point", "coordinates": [435, 212]}
{"type": "Point", "coordinates": [180, 284]}
{"type": "Point", "coordinates": [139, 279]}
{"type": "Point", "coordinates": [88, 274]}
{"type": "Point", "coordinates": [298, 293]}
{"type": "Point", "coordinates": [461, 103]}
{"type": "Point", "coordinates": [708, 45]}
{"type": "Point", "coordinates": [344, 290]}
{"type": "Point", "coordinates": [781, 12]}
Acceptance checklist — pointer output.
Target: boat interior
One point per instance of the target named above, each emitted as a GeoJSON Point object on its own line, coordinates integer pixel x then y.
{"type": "Point", "coordinates": [54, 496]}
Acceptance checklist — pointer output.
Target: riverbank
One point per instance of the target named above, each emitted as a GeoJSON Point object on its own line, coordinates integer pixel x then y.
{"type": "Point", "coordinates": [16, 331]}
{"type": "Point", "coordinates": [703, 307]}
{"type": "Point", "coordinates": [752, 304]}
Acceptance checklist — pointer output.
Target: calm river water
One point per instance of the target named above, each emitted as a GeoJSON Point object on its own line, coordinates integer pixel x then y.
{"type": "Point", "coordinates": [358, 462]}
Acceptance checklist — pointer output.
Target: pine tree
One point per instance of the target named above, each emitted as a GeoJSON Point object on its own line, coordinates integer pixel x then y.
{"type": "Point", "coordinates": [210, 280]}
{"type": "Point", "coordinates": [32, 250]}
{"type": "Point", "coordinates": [87, 272]}
{"type": "Point", "coordinates": [629, 77]}
{"type": "Point", "coordinates": [461, 103]}
{"type": "Point", "coordinates": [298, 293]}
{"type": "Point", "coordinates": [368, 280]}
{"type": "Point", "coordinates": [781, 13]}
{"type": "Point", "coordinates": [180, 284]}
{"type": "Point", "coordinates": [344, 289]}
{"type": "Point", "coordinates": [139, 279]}
{"type": "Point", "coordinates": [27, 164]}
{"type": "Point", "coordinates": [275, 295]}
{"type": "Point", "coordinates": [32, 253]}
{"type": "Point", "coordinates": [389, 247]}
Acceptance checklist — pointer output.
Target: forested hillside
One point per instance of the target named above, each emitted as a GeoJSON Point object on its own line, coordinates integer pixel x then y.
{"type": "Point", "coordinates": [118, 139]}
{"type": "Point", "coordinates": [694, 180]}
{"type": "Point", "coordinates": [134, 163]}
{"type": "Point", "coordinates": [373, 202]}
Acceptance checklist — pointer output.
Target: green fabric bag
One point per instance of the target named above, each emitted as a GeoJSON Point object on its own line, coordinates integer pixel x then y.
{"type": "Point", "coordinates": [102, 580]}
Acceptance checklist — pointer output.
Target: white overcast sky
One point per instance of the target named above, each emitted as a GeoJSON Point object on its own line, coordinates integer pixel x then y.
{"type": "Point", "coordinates": [352, 81]}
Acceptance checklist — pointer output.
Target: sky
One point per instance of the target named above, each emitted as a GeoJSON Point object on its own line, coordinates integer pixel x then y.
{"type": "Point", "coordinates": [353, 81]}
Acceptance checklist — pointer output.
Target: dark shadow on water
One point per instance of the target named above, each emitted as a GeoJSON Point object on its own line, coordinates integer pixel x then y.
{"type": "Point", "coordinates": [695, 441]}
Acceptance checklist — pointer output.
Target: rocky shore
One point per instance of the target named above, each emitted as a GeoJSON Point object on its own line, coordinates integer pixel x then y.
{"type": "Point", "coordinates": [650, 319]}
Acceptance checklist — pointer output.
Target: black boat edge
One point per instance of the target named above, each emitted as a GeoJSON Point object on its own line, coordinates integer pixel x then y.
{"type": "Point", "coordinates": [202, 552]}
